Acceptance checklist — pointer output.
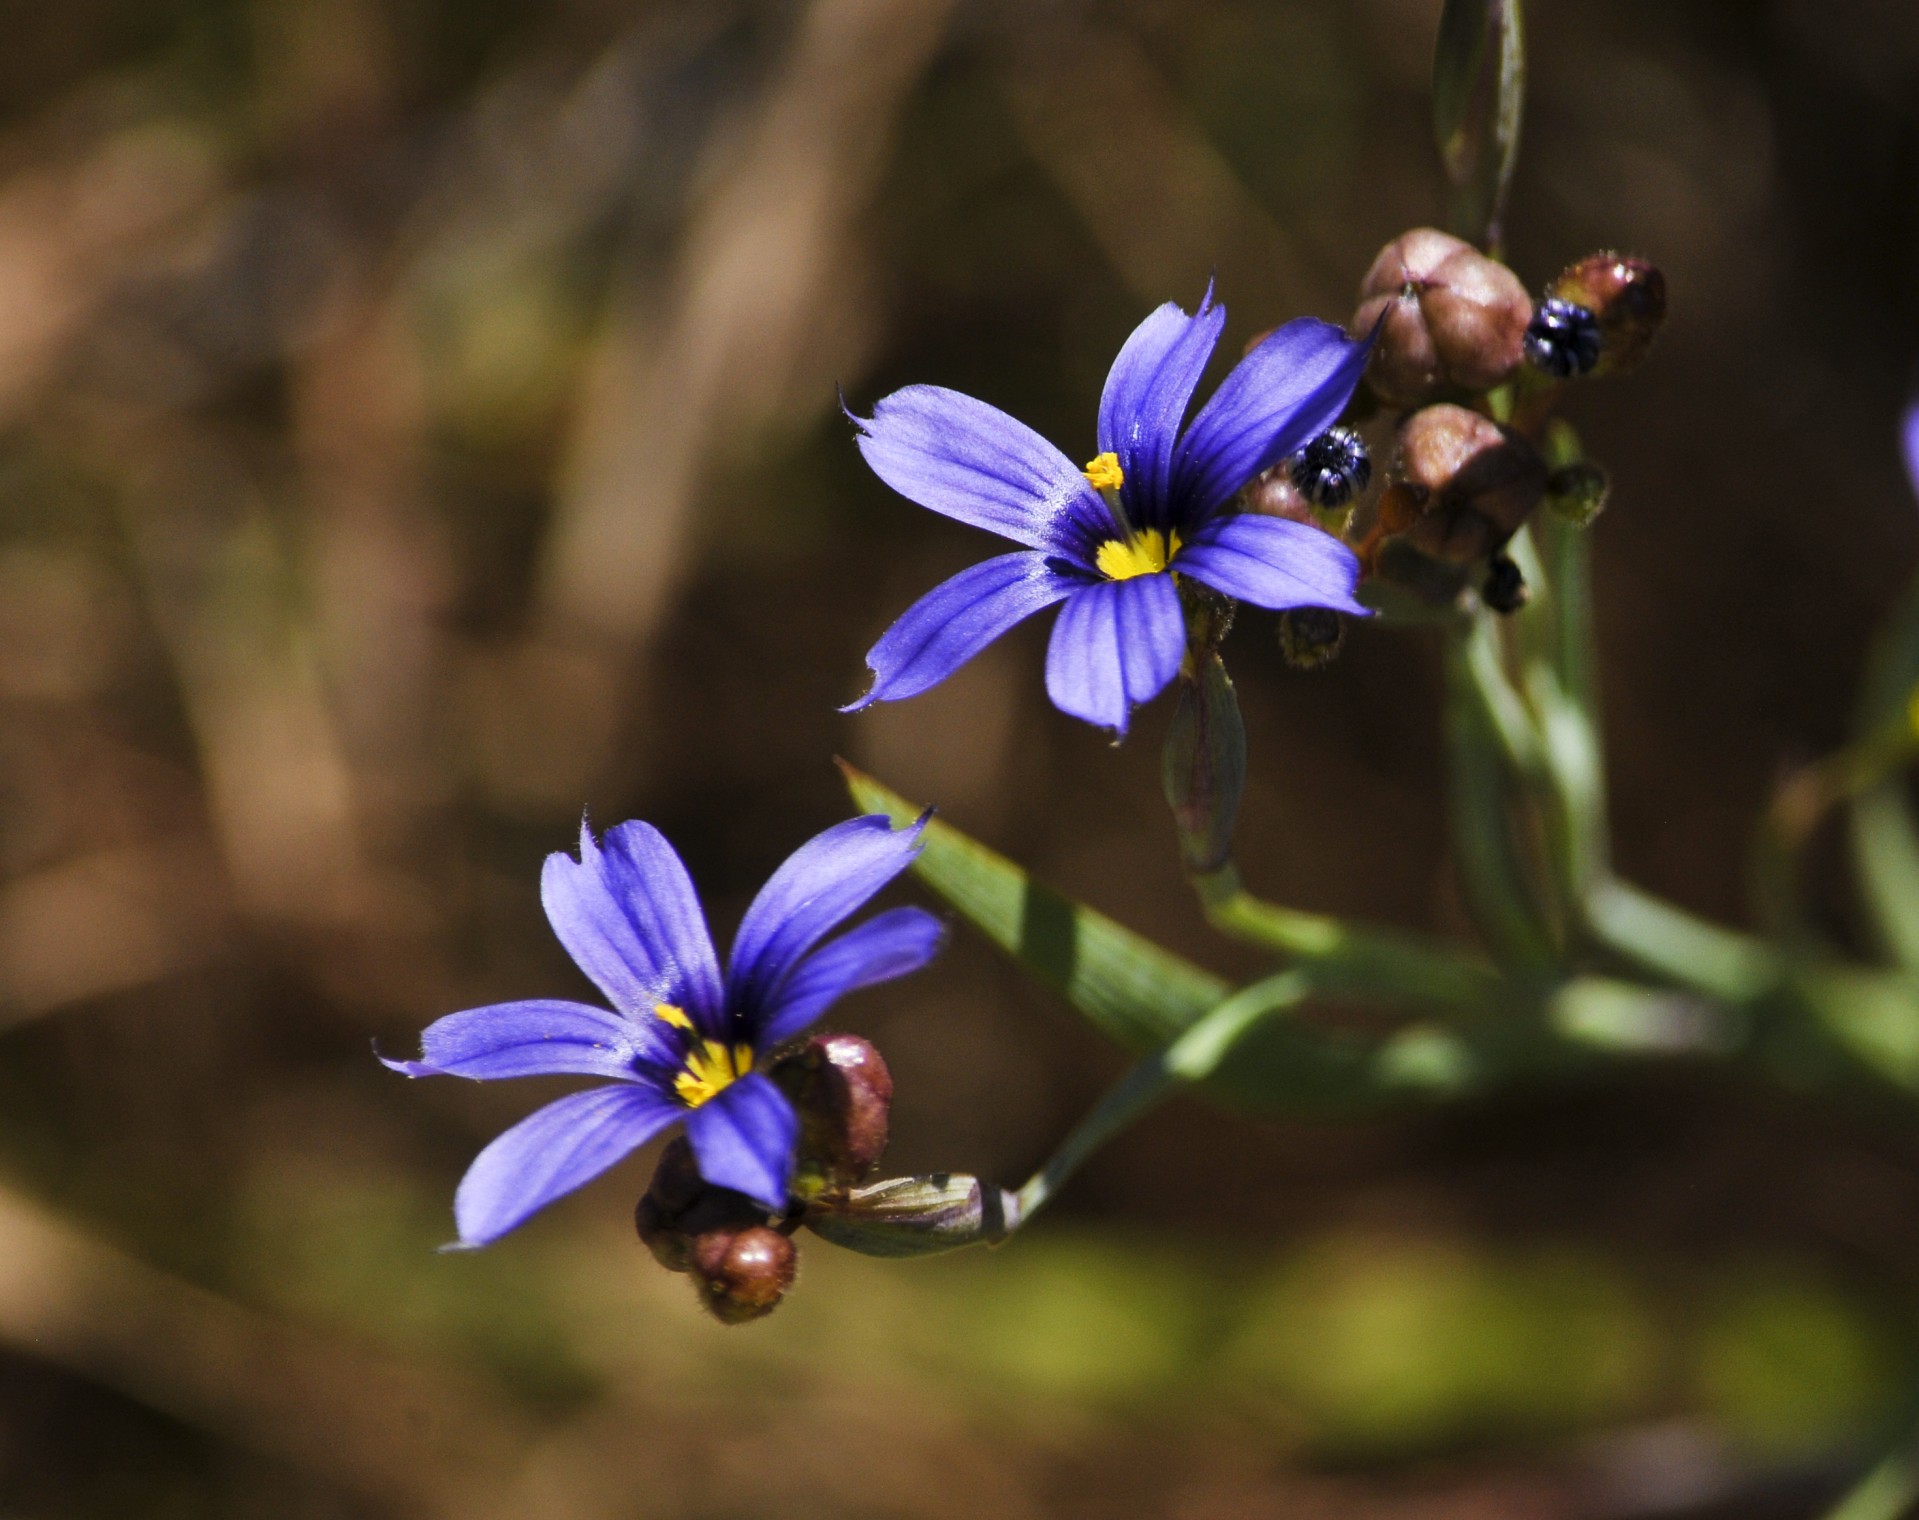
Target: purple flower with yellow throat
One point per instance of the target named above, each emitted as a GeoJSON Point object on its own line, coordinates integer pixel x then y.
{"type": "Point", "coordinates": [1110, 540]}
{"type": "Point", "coordinates": [680, 1041]}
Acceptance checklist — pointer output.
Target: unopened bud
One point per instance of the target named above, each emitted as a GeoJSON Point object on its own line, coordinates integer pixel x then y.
{"type": "Point", "coordinates": [1454, 318]}
{"type": "Point", "coordinates": [1505, 590]}
{"type": "Point", "coordinates": [742, 1274]}
{"type": "Point", "coordinates": [1203, 766]}
{"type": "Point", "coordinates": [1481, 481]}
{"type": "Point", "coordinates": [843, 1093]}
{"type": "Point", "coordinates": [1577, 492]}
{"type": "Point", "coordinates": [1332, 469]}
{"type": "Point", "coordinates": [916, 1216]}
{"type": "Point", "coordinates": [1563, 339]}
{"type": "Point", "coordinates": [1627, 299]}
{"type": "Point", "coordinates": [1310, 637]}
{"type": "Point", "coordinates": [679, 1205]}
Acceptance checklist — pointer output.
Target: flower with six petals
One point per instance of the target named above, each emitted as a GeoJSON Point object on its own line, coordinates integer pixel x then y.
{"type": "Point", "coordinates": [1108, 540]}
{"type": "Point", "coordinates": [680, 1042]}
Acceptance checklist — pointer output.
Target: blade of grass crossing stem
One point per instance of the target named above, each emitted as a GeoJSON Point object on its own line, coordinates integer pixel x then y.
{"type": "Point", "coordinates": [1129, 988]}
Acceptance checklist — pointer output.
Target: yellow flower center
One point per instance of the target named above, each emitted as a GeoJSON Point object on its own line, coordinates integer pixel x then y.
{"type": "Point", "coordinates": [1146, 553]}
{"type": "Point", "coordinates": [710, 1067]}
{"type": "Point", "coordinates": [1104, 473]}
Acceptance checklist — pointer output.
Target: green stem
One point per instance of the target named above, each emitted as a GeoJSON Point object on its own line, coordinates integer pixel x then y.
{"type": "Point", "coordinates": [1670, 943]}
{"type": "Point", "coordinates": [1139, 1091]}
{"type": "Point", "coordinates": [1888, 1492]}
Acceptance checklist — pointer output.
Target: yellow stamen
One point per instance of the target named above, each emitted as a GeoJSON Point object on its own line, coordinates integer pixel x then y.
{"type": "Point", "coordinates": [1104, 473]}
{"type": "Point", "coordinates": [668, 1013]}
{"type": "Point", "coordinates": [1120, 559]}
{"type": "Point", "coordinates": [710, 1069]}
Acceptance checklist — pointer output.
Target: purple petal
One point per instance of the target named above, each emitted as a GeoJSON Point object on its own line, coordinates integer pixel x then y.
{"type": "Point", "coordinates": [1116, 644]}
{"type": "Point", "coordinates": [830, 876]}
{"type": "Point", "coordinates": [743, 1139]}
{"type": "Point", "coordinates": [1289, 389]}
{"type": "Point", "coordinates": [629, 917]}
{"type": "Point", "coordinates": [1147, 392]}
{"type": "Point", "coordinates": [1271, 562]}
{"type": "Point", "coordinates": [964, 459]}
{"type": "Point", "coordinates": [1909, 441]}
{"type": "Point", "coordinates": [541, 1037]}
{"type": "Point", "coordinates": [551, 1152]}
{"type": "Point", "coordinates": [885, 946]}
{"type": "Point", "coordinates": [956, 620]}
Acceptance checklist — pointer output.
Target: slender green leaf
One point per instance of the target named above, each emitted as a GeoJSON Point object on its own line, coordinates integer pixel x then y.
{"type": "Point", "coordinates": [1128, 987]}
{"type": "Point", "coordinates": [1479, 88]}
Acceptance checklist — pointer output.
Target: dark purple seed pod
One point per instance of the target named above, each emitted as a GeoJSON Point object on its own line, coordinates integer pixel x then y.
{"type": "Point", "coordinates": [1563, 339]}
{"type": "Point", "coordinates": [1505, 590]}
{"type": "Point", "coordinates": [1310, 637]}
{"type": "Point", "coordinates": [1332, 469]}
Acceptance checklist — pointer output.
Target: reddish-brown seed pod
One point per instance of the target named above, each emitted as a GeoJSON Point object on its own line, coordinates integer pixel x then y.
{"type": "Point", "coordinates": [1481, 481]}
{"type": "Point", "coordinates": [742, 1274]}
{"type": "Point", "coordinates": [1453, 319]}
{"type": "Point", "coordinates": [843, 1093]}
{"type": "Point", "coordinates": [1626, 295]}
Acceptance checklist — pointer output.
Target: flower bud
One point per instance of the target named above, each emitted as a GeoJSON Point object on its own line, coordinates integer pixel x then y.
{"type": "Point", "coordinates": [1627, 299]}
{"type": "Point", "coordinates": [843, 1093]}
{"type": "Point", "coordinates": [1563, 339]}
{"type": "Point", "coordinates": [1453, 318]}
{"type": "Point", "coordinates": [1203, 767]}
{"type": "Point", "coordinates": [916, 1216]}
{"type": "Point", "coordinates": [1577, 492]}
{"type": "Point", "coordinates": [742, 1274]}
{"type": "Point", "coordinates": [1481, 481]}
{"type": "Point", "coordinates": [679, 1204]}
{"type": "Point", "coordinates": [1332, 469]}
{"type": "Point", "coordinates": [1505, 590]}
{"type": "Point", "coordinates": [1309, 637]}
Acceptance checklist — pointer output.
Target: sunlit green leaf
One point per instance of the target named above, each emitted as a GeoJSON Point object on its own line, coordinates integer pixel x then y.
{"type": "Point", "coordinates": [1130, 988]}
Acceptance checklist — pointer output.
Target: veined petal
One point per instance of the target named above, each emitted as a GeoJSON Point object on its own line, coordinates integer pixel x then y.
{"type": "Point", "coordinates": [551, 1152]}
{"type": "Point", "coordinates": [744, 1139]}
{"type": "Point", "coordinates": [1147, 392]}
{"type": "Point", "coordinates": [1272, 562]}
{"type": "Point", "coordinates": [1288, 389]}
{"type": "Point", "coordinates": [537, 1038]}
{"type": "Point", "coordinates": [957, 456]}
{"type": "Point", "coordinates": [957, 619]}
{"type": "Point", "coordinates": [887, 945]}
{"type": "Point", "coordinates": [1116, 644]}
{"type": "Point", "coordinates": [829, 877]}
{"type": "Point", "coordinates": [627, 914]}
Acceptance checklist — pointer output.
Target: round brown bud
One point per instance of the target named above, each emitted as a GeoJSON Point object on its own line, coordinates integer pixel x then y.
{"type": "Point", "coordinates": [843, 1093]}
{"type": "Point", "coordinates": [1453, 318]}
{"type": "Point", "coordinates": [1274, 493]}
{"type": "Point", "coordinates": [679, 1204]}
{"type": "Point", "coordinates": [1310, 637]}
{"type": "Point", "coordinates": [1628, 298]}
{"type": "Point", "coordinates": [742, 1274]}
{"type": "Point", "coordinates": [1481, 481]}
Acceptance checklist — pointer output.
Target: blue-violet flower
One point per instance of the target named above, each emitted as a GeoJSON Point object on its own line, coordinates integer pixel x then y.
{"type": "Point", "coordinates": [1109, 540]}
{"type": "Point", "coordinates": [680, 1042]}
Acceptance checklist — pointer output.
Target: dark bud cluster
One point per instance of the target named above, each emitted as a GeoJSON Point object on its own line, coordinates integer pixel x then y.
{"type": "Point", "coordinates": [1447, 318]}
{"type": "Point", "coordinates": [741, 1258]}
{"type": "Point", "coordinates": [1505, 589]}
{"type": "Point", "coordinates": [1563, 339]}
{"type": "Point", "coordinates": [1310, 637]}
{"type": "Point", "coordinates": [1332, 469]}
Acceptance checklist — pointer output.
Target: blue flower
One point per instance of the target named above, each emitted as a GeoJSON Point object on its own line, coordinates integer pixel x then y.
{"type": "Point", "coordinates": [680, 1042]}
{"type": "Point", "coordinates": [1109, 540]}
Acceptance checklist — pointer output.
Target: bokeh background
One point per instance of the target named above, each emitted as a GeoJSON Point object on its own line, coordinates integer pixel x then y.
{"type": "Point", "coordinates": [418, 422]}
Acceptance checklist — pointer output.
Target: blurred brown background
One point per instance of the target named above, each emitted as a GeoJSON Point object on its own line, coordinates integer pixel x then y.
{"type": "Point", "coordinates": [417, 421]}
